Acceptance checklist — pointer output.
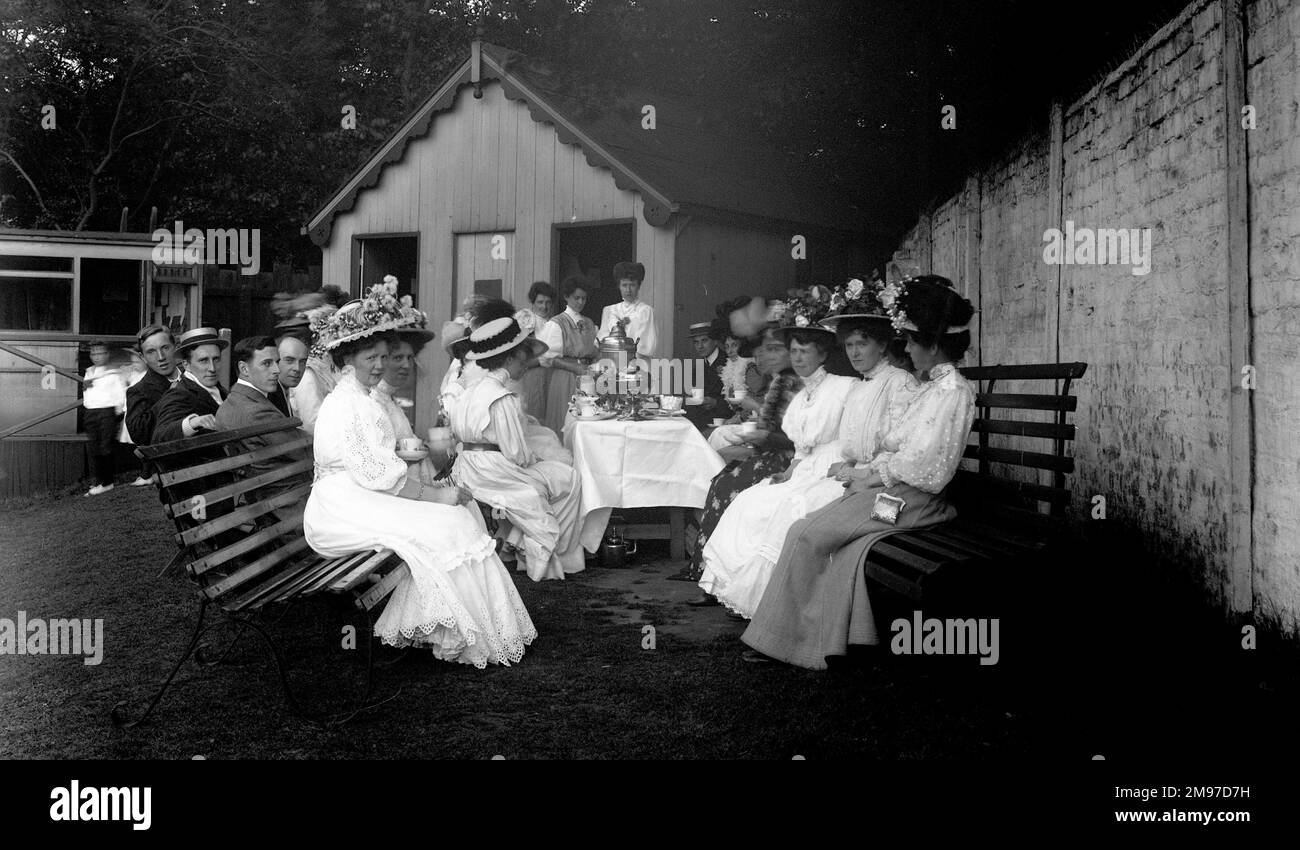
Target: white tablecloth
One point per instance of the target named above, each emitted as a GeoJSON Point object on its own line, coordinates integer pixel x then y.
{"type": "Point", "coordinates": [637, 465]}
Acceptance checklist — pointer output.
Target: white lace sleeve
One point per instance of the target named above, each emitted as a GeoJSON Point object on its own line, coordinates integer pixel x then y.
{"type": "Point", "coordinates": [368, 449]}
{"type": "Point", "coordinates": [900, 394]}
{"type": "Point", "coordinates": [929, 452]}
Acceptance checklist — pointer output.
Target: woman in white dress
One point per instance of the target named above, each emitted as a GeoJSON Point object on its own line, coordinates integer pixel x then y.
{"type": "Point", "coordinates": [749, 537]}
{"type": "Point", "coordinates": [459, 600]}
{"type": "Point", "coordinates": [640, 316]}
{"type": "Point", "coordinates": [463, 374]}
{"type": "Point", "coordinates": [812, 423]}
{"type": "Point", "coordinates": [540, 498]}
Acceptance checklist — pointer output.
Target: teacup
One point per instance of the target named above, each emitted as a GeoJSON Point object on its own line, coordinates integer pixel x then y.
{"type": "Point", "coordinates": [587, 408]}
{"type": "Point", "coordinates": [749, 428]}
{"type": "Point", "coordinates": [410, 444]}
{"type": "Point", "coordinates": [739, 394]}
{"type": "Point", "coordinates": [719, 421]}
{"type": "Point", "coordinates": [670, 403]}
{"type": "Point", "coordinates": [697, 395]}
{"type": "Point", "coordinates": [587, 384]}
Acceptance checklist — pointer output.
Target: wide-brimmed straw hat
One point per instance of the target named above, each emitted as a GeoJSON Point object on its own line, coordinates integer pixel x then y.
{"type": "Point", "coordinates": [499, 336]}
{"type": "Point", "coordinates": [200, 336]}
{"type": "Point", "coordinates": [380, 310]}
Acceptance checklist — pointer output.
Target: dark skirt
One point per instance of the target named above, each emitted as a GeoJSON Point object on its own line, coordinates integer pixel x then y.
{"type": "Point", "coordinates": [735, 477]}
{"type": "Point", "coordinates": [816, 603]}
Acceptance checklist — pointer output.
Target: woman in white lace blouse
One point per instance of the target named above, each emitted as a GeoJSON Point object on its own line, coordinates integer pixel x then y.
{"type": "Point", "coordinates": [816, 601]}
{"type": "Point", "coordinates": [458, 601]}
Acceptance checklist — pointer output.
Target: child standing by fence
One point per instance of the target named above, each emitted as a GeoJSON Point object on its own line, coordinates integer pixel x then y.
{"type": "Point", "coordinates": [104, 397]}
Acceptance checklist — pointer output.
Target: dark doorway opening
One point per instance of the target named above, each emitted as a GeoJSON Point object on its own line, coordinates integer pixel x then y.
{"type": "Point", "coordinates": [590, 251]}
{"type": "Point", "coordinates": [110, 296]}
{"type": "Point", "coordinates": [379, 255]}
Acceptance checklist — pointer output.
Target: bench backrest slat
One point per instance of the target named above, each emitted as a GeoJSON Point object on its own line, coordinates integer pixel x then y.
{"type": "Point", "coordinates": [242, 485]}
{"type": "Point", "coordinates": [1028, 372]}
{"type": "Point", "coordinates": [289, 525]}
{"type": "Point", "coordinates": [213, 439]}
{"type": "Point", "coordinates": [245, 514]}
{"type": "Point", "coordinates": [1026, 401]}
{"type": "Point", "coordinates": [1021, 428]}
{"type": "Point", "coordinates": [230, 464]}
{"type": "Point", "coordinates": [1015, 457]}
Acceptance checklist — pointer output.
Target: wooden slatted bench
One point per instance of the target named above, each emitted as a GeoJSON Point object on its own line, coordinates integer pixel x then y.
{"type": "Point", "coordinates": [1002, 520]}
{"type": "Point", "coordinates": [248, 556]}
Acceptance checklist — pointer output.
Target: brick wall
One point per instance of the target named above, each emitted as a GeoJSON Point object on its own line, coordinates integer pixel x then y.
{"type": "Point", "coordinates": [1273, 88]}
{"type": "Point", "coordinates": [1146, 149]}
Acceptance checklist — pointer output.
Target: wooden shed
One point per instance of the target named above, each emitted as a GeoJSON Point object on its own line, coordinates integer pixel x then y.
{"type": "Point", "coordinates": [506, 175]}
{"type": "Point", "coordinates": [58, 291]}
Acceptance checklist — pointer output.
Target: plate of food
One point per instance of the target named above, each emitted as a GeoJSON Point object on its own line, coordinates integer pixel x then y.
{"type": "Point", "coordinates": [667, 413]}
{"type": "Point", "coordinates": [413, 456]}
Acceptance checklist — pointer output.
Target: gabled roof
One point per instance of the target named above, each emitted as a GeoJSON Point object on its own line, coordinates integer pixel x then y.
{"type": "Point", "coordinates": [686, 164]}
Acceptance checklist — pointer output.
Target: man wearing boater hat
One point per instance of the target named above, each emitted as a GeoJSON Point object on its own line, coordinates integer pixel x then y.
{"type": "Point", "coordinates": [190, 407]}
{"type": "Point", "coordinates": [706, 338]}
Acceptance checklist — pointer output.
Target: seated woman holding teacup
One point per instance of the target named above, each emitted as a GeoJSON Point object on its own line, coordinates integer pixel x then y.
{"type": "Point", "coordinates": [748, 539]}
{"type": "Point", "coordinates": [812, 423]}
{"type": "Point", "coordinates": [760, 448]}
{"type": "Point", "coordinates": [540, 498]}
{"type": "Point", "coordinates": [816, 602]}
{"type": "Point", "coordinates": [458, 599]}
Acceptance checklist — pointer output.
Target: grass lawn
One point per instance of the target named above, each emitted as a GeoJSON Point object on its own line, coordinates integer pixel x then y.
{"type": "Point", "coordinates": [585, 689]}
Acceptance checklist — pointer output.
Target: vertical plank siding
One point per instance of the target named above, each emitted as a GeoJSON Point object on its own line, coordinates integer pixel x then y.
{"type": "Point", "coordinates": [486, 167]}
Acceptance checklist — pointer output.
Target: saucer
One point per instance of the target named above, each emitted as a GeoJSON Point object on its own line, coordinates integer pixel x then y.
{"type": "Point", "coordinates": [670, 413]}
{"type": "Point", "coordinates": [413, 457]}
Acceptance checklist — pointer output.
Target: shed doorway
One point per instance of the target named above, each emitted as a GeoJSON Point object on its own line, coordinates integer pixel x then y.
{"type": "Point", "coordinates": [589, 251]}
{"type": "Point", "coordinates": [377, 255]}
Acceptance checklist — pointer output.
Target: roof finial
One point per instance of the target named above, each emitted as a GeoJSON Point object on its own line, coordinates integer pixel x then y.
{"type": "Point", "coordinates": [476, 54]}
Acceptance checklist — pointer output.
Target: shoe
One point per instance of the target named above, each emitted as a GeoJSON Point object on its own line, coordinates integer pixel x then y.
{"type": "Point", "coordinates": [704, 601]}
{"type": "Point", "coordinates": [684, 575]}
{"type": "Point", "coordinates": [753, 656]}
{"type": "Point", "coordinates": [98, 489]}
{"type": "Point", "coordinates": [140, 481]}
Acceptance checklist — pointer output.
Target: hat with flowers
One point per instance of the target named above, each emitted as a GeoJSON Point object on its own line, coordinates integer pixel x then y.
{"type": "Point", "coordinates": [856, 300]}
{"type": "Point", "coordinates": [379, 310]}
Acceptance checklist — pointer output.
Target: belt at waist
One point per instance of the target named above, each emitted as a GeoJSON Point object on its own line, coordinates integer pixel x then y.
{"type": "Point", "coordinates": [479, 447]}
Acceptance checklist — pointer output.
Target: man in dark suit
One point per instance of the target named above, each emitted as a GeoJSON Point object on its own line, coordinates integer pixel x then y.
{"type": "Point", "coordinates": [190, 407]}
{"type": "Point", "coordinates": [706, 338]}
{"type": "Point", "coordinates": [158, 349]}
{"type": "Point", "coordinates": [249, 403]}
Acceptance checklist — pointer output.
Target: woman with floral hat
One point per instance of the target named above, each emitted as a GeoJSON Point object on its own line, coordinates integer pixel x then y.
{"type": "Point", "coordinates": [459, 600]}
{"type": "Point", "coordinates": [816, 602]}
